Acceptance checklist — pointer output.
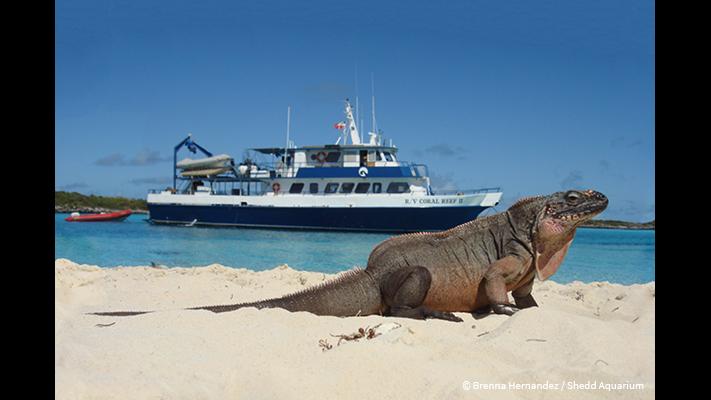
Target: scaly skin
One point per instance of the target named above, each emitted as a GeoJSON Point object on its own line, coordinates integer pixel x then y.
{"type": "Point", "coordinates": [467, 268]}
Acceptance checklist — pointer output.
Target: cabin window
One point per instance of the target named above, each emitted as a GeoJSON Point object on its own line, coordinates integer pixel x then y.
{"type": "Point", "coordinates": [377, 187]}
{"type": "Point", "coordinates": [333, 156]}
{"type": "Point", "coordinates": [362, 187]}
{"type": "Point", "coordinates": [378, 157]}
{"type": "Point", "coordinates": [388, 157]}
{"type": "Point", "coordinates": [398, 187]}
{"type": "Point", "coordinates": [331, 187]}
{"type": "Point", "coordinates": [296, 188]}
{"type": "Point", "coordinates": [347, 187]}
{"type": "Point", "coordinates": [313, 188]}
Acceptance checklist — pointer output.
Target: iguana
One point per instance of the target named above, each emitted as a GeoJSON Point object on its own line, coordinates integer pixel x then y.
{"type": "Point", "coordinates": [470, 267]}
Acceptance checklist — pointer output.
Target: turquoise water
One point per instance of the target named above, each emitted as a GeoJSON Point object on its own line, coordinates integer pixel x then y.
{"type": "Point", "coordinates": [618, 256]}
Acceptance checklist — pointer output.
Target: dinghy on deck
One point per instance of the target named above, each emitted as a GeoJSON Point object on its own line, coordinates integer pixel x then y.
{"type": "Point", "coordinates": [221, 161]}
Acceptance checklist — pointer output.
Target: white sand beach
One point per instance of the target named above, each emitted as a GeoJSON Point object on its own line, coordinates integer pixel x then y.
{"type": "Point", "coordinates": [597, 334]}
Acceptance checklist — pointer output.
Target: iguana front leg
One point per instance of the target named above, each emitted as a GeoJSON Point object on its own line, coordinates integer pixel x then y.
{"type": "Point", "coordinates": [495, 279]}
{"type": "Point", "coordinates": [522, 295]}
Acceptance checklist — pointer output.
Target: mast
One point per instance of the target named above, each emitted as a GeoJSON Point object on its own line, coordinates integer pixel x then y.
{"type": "Point", "coordinates": [356, 116]}
{"type": "Point", "coordinates": [373, 125]}
{"type": "Point", "coordinates": [357, 112]}
{"type": "Point", "coordinates": [374, 136]}
{"type": "Point", "coordinates": [356, 87]}
{"type": "Point", "coordinates": [360, 123]}
{"type": "Point", "coordinates": [286, 147]}
{"type": "Point", "coordinates": [351, 125]}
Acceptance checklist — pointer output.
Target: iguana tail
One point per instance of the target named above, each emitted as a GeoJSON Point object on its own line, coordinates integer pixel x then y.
{"type": "Point", "coordinates": [120, 313]}
{"type": "Point", "coordinates": [352, 293]}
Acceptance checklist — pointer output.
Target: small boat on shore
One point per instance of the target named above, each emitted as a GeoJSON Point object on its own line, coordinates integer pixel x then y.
{"type": "Point", "coordinates": [114, 216]}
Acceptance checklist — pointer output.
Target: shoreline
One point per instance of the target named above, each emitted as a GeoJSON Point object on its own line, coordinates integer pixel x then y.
{"type": "Point", "coordinates": [624, 228]}
{"type": "Point", "coordinates": [614, 224]}
{"type": "Point", "coordinates": [581, 331]}
{"type": "Point", "coordinates": [326, 273]}
{"type": "Point", "coordinates": [94, 210]}
{"type": "Point", "coordinates": [87, 210]}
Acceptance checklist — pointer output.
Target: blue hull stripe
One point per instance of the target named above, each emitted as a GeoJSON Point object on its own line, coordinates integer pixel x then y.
{"type": "Point", "coordinates": [341, 219]}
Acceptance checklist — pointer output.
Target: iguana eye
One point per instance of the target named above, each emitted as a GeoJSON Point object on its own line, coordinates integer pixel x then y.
{"type": "Point", "coordinates": [572, 196]}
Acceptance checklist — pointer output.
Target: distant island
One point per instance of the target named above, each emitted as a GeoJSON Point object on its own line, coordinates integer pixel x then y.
{"type": "Point", "coordinates": [611, 224]}
{"type": "Point", "coordinates": [69, 202]}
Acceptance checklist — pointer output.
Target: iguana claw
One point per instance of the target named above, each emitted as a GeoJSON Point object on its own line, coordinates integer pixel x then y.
{"type": "Point", "coordinates": [450, 317]}
{"type": "Point", "coordinates": [504, 309]}
{"type": "Point", "coordinates": [525, 301]}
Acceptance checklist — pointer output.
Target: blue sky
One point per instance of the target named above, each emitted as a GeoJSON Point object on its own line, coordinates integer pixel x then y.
{"type": "Point", "coordinates": [534, 97]}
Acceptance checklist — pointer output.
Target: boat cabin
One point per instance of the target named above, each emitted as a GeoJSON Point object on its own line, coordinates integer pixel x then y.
{"type": "Point", "coordinates": [330, 156]}
{"type": "Point", "coordinates": [340, 168]}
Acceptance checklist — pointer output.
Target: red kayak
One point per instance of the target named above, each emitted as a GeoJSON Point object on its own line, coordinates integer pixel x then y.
{"type": "Point", "coordinates": [114, 216]}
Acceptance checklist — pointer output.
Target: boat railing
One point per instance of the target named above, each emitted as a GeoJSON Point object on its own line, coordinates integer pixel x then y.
{"type": "Point", "coordinates": [156, 191]}
{"type": "Point", "coordinates": [467, 191]}
{"type": "Point", "coordinates": [276, 169]}
{"type": "Point", "coordinates": [258, 192]}
{"type": "Point", "coordinates": [435, 193]}
{"type": "Point", "coordinates": [418, 170]}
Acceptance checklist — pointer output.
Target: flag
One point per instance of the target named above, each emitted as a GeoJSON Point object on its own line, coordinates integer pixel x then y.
{"type": "Point", "coordinates": [339, 125]}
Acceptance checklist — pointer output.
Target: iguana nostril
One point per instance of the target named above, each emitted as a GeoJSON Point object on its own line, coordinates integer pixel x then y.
{"type": "Point", "coordinates": [599, 195]}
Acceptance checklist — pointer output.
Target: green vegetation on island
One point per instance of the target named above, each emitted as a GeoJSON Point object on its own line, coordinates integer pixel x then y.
{"type": "Point", "coordinates": [611, 224]}
{"type": "Point", "coordinates": [66, 202]}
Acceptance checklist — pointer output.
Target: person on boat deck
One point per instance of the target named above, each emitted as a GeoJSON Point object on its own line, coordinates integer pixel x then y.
{"type": "Point", "coordinates": [195, 185]}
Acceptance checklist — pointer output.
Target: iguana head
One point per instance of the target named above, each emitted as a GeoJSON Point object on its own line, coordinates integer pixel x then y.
{"type": "Point", "coordinates": [565, 211]}
{"type": "Point", "coordinates": [553, 220]}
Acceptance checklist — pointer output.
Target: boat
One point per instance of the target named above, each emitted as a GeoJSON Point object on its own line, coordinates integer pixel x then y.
{"type": "Point", "coordinates": [113, 216]}
{"type": "Point", "coordinates": [352, 185]}
{"type": "Point", "coordinates": [204, 172]}
{"type": "Point", "coordinates": [206, 163]}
